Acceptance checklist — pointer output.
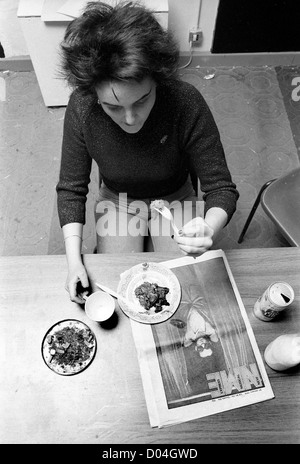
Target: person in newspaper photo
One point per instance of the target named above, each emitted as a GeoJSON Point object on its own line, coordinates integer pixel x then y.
{"type": "Point", "coordinates": [148, 132]}
{"type": "Point", "coordinates": [203, 350]}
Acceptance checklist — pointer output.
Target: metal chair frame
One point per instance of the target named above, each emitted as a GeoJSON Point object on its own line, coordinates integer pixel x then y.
{"type": "Point", "coordinates": [254, 208]}
{"type": "Point", "coordinates": [281, 204]}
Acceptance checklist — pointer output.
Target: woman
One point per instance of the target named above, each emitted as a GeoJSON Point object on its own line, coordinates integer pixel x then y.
{"type": "Point", "coordinates": [146, 130]}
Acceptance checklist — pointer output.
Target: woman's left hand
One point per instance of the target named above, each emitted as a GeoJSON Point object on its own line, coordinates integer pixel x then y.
{"type": "Point", "coordinates": [195, 237]}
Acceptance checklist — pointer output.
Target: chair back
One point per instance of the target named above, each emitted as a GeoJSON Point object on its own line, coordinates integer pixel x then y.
{"type": "Point", "coordinates": [281, 202]}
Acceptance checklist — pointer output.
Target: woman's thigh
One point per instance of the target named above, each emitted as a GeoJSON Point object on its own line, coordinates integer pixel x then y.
{"type": "Point", "coordinates": [120, 228]}
{"type": "Point", "coordinates": [161, 229]}
{"type": "Point", "coordinates": [122, 224]}
{"type": "Point", "coordinates": [114, 243]}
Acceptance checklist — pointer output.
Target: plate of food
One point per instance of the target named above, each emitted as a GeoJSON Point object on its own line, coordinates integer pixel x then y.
{"type": "Point", "coordinates": [68, 347]}
{"type": "Point", "coordinates": [154, 291]}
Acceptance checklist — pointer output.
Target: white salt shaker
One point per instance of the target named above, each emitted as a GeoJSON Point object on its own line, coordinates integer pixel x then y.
{"type": "Point", "coordinates": [283, 352]}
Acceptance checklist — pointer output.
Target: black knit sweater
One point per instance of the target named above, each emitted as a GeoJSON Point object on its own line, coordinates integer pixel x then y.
{"type": "Point", "coordinates": [179, 136]}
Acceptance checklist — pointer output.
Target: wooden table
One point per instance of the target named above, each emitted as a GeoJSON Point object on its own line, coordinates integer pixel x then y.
{"type": "Point", "coordinates": [105, 404]}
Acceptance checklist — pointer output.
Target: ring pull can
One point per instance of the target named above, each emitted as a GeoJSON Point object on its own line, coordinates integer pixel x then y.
{"type": "Point", "coordinates": [275, 299]}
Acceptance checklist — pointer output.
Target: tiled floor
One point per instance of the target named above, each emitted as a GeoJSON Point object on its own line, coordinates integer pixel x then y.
{"type": "Point", "coordinates": [259, 125]}
{"type": "Point", "coordinates": [250, 111]}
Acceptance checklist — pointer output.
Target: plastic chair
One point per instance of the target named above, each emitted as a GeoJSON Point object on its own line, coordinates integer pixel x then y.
{"type": "Point", "coordinates": [280, 199]}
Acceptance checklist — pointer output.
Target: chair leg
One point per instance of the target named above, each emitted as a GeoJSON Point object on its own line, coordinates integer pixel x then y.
{"type": "Point", "coordinates": [254, 208]}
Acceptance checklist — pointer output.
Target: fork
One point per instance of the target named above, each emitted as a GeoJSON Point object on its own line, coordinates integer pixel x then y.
{"type": "Point", "coordinates": [166, 213]}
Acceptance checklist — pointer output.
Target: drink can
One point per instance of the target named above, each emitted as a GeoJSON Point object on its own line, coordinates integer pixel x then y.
{"type": "Point", "coordinates": [275, 299]}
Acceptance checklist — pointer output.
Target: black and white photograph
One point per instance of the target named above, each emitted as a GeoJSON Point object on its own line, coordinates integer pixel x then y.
{"type": "Point", "coordinates": [149, 224]}
{"type": "Point", "coordinates": [206, 350]}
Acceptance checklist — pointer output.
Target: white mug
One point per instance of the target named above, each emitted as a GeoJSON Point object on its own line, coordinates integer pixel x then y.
{"type": "Point", "coordinates": [99, 306]}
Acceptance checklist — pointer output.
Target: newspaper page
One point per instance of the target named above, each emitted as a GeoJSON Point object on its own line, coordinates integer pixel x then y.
{"type": "Point", "coordinates": [204, 359]}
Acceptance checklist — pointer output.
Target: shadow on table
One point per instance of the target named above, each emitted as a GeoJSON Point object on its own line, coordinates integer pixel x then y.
{"type": "Point", "coordinates": [111, 323]}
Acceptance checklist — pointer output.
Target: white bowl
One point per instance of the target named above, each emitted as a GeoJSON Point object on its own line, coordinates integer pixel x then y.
{"type": "Point", "coordinates": [99, 306]}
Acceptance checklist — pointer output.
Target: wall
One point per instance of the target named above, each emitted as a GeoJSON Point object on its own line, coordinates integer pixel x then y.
{"type": "Point", "coordinates": [11, 36]}
{"type": "Point", "coordinates": [183, 15]}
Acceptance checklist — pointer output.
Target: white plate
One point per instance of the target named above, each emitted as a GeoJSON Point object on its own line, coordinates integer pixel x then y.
{"type": "Point", "coordinates": [153, 273]}
{"type": "Point", "coordinates": [74, 330]}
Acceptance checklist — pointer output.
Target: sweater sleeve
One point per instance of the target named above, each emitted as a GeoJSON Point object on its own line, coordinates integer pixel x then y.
{"type": "Point", "coordinates": [75, 169]}
{"type": "Point", "coordinates": [206, 156]}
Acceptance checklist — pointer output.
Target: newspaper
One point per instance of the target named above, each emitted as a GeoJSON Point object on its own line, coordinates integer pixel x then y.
{"type": "Point", "coordinates": [204, 360]}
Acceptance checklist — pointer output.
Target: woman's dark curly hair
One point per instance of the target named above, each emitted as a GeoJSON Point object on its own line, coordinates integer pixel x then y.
{"type": "Point", "coordinates": [124, 42]}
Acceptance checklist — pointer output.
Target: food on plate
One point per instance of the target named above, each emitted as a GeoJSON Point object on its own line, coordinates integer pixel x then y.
{"type": "Point", "coordinates": [69, 347]}
{"type": "Point", "coordinates": [159, 204]}
{"type": "Point", "coordinates": [156, 205]}
{"type": "Point", "coordinates": [135, 285]}
{"type": "Point", "coordinates": [151, 295]}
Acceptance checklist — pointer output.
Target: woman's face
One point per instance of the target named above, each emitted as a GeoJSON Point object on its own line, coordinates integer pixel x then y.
{"type": "Point", "coordinates": [129, 103]}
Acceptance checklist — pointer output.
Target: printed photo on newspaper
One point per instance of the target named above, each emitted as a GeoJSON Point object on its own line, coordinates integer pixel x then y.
{"type": "Point", "coordinates": [204, 359]}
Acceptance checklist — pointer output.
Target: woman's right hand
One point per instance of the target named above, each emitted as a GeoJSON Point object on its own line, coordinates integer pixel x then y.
{"type": "Point", "coordinates": [77, 277]}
